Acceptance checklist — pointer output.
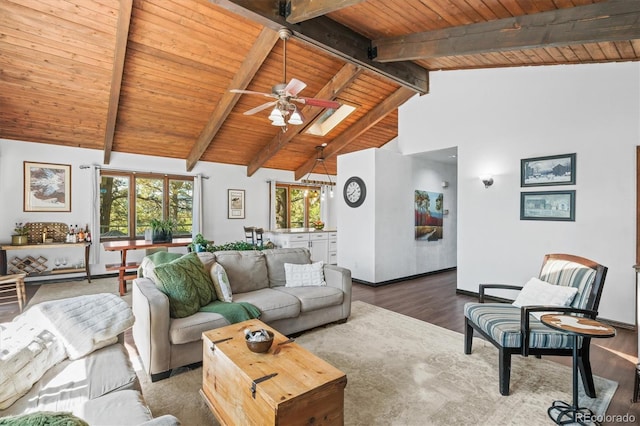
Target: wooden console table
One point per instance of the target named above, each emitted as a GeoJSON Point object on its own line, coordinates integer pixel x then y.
{"type": "Point", "coordinates": [37, 267]}
{"type": "Point", "coordinates": [124, 246]}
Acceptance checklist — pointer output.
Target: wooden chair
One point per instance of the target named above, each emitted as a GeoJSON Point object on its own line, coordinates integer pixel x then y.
{"type": "Point", "coordinates": [13, 284]}
{"type": "Point", "coordinates": [258, 233]}
{"type": "Point", "coordinates": [249, 234]}
{"type": "Point", "coordinates": [514, 330]}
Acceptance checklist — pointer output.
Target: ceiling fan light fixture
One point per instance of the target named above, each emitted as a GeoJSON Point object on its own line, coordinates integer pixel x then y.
{"type": "Point", "coordinates": [278, 122]}
{"type": "Point", "coordinates": [276, 114]}
{"type": "Point", "coordinates": [296, 118]}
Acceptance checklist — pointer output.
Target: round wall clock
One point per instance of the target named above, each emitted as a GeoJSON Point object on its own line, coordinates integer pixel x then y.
{"type": "Point", "coordinates": [354, 191]}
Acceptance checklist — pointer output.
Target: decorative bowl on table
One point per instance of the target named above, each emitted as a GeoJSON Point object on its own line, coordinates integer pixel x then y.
{"type": "Point", "coordinates": [257, 341]}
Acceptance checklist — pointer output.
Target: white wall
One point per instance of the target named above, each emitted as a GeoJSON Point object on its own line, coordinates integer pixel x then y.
{"type": "Point", "coordinates": [216, 225]}
{"type": "Point", "coordinates": [497, 117]}
{"type": "Point", "coordinates": [376, 240]}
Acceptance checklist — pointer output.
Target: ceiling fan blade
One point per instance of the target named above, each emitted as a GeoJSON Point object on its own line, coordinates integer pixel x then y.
{"type": "Point", "coordinates": [323, 103]}
{"type": "Point", "coordinates": [251, 92]}
{"type": "Point", "coordinates": [294, 87]}
{"type": "Point", "coordinates": [260, 108]}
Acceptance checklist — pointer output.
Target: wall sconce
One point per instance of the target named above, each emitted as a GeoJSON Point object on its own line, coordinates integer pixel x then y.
{"type": "Point", "coordinates": [487, 180]}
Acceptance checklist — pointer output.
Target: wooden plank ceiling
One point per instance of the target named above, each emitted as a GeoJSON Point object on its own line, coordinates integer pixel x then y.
{"type": "Point", "coordinates": [153, 76]}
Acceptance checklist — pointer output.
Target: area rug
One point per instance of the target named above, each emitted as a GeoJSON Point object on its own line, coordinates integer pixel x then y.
{"type": "Point", "coordinates": [402, 371]}
{"type": "Point", "coordinates": [55, 291]}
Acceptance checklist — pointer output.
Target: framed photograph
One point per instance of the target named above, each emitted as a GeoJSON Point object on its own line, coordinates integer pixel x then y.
{"type": "Point", "coordinates": [236, 204]}
{"type": "Point", "coordinates": [47, 187]}
{"type": "Point", "coordinates": [548, 205]}
{"type": "Point", "coordinates": [552, 170]}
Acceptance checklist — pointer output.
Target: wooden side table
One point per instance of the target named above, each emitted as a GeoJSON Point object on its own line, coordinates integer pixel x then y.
{"type": "Point", "coordinates": [575, 327]}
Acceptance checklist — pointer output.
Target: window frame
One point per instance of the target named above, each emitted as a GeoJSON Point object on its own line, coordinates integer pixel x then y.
{"type": "Point", "coordinates": [301, 187]}
{"type": "Point", "coordinates": [132, 176]}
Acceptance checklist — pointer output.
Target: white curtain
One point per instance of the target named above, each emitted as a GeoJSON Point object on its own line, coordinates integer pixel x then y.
{"type": "Point", "coordinates": [197, 206]}
{"type": "Point", "coordinates": [272, 204]}
{"type": "Point", "coordinates": [94, 225]}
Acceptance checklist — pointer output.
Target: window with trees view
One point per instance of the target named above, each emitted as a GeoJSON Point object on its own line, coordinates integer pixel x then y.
{"type": "Point", "coordinates": [128, 202]}
{"type": "Point", "coordinates": [297, 206]}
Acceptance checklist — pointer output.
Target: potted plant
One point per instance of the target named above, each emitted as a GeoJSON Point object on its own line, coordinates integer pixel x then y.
{"type": "Point", "coordinates": [162, 230]}
{"type": "Point", "coordinates": [199, 244]}
{"type": "Point", "coordinates": [20, 235]}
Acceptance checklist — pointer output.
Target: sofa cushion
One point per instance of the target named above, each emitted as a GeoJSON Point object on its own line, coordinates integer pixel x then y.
{"type": "Point", "coordinates": [124, 408]}
{"type": "Point", "coordinates": [190, 329]}
{"type": "Point", "coordinates": [187, 284]}
{"type": "Point", "coordinates": [313, 298]}
{"type": "Point", "coordinates": [276, 258]}
{"type": "Point", "coordinates": [69, 384]}
{"type": "Point", "coordinates": [273, 304]}
{"type": "Point", "coordinates": [221, 283]}
{"type": "Point", "coordinates": [310, 275]}
{"type": "Point", "coordinates": [247, 270]}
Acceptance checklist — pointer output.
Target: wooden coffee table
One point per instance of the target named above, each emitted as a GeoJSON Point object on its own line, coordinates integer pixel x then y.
{"type": "Point", "coordinates": [286, 385]}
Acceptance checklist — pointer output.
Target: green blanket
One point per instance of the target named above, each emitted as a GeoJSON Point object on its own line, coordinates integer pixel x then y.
{"type": "Point", "coordinates": [160, 257]}
{"type": "Point", "coordinates": [43, 418]}
{"type": "Point", "coordinates": [232, 311]}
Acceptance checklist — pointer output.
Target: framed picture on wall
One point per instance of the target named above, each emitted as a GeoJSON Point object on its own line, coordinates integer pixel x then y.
{"type": "Point", "coordinates": [47, 187]}
{"type": "Point", "coordinates": [548, 205]}
{"type": "Point", "coordinates": [236, 203]}
{"type": "Point", "coordinates": [551, 170]}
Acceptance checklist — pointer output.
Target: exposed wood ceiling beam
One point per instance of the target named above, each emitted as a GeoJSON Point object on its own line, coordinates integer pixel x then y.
{"type": "Point", "coordinates": [120, 51]}
{"type": "Point", "coordinates": [301, 10]}
{"type": "Point", "coordinates": [613, 20]}
{"type": "Point", "coordinates": [390, 104]}
{"type": "Point", "coordinates": [337, 84]}
{"type": "Point", "coordinates": [331, 37]}
{"type": "Point", "coordinates": [254, 59]}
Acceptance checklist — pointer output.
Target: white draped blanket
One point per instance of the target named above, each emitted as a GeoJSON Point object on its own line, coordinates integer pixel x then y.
{"type": "Point", "coordinates": [83, 323]}
{"type": "Point", "coordinates": [51, 331]}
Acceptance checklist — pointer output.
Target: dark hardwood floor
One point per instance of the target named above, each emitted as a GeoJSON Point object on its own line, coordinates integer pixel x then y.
{"type": "Point", "coordinates": [433, 299]}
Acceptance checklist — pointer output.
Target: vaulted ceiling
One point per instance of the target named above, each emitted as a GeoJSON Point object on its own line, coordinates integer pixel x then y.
{"type": "Point", "coordinates": [154, 76]}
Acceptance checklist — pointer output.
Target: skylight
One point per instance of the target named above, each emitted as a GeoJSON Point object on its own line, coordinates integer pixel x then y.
{"type": "Point", "coordinates": [330, 119]}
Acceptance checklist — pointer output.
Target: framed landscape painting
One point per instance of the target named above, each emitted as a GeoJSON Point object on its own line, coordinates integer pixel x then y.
{"type": "Point", "coordinates": [236, 203]}
{"type": "Point", "coordinates": [428, 209]}
{"type": "Point", "coordinates": [548, 205]}
{"type": "Point", "coordinates": [551, 170]}
{"type": "Point", "coordinates": [47, 187]}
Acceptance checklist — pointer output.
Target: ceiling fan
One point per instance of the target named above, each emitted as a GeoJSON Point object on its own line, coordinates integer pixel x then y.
{"type": "Point", "coordinates": [285, 94]}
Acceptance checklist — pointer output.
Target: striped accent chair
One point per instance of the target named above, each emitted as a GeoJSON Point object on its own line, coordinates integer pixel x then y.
{"type": "Point", "coordinates": [514, 330]}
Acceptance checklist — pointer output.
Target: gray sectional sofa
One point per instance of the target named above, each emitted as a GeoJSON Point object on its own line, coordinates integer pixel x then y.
{"type": "Point", "coordinates": [256, 277]}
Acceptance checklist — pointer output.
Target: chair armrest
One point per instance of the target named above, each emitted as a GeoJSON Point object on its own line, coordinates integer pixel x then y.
{"type": "Point", "coordinates": [151, 328]}
{"type": "Point", "coordinates": [166, 420]}
{"type": "Point", "coordinates": [501, 286]}
{"type": "Point", "coordinates": [526, 311]}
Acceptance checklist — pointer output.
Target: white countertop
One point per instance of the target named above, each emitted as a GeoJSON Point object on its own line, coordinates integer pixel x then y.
{"type": "Point", "coordinates": [299, 230]}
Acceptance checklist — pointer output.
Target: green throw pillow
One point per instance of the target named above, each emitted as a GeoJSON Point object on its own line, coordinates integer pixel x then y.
{"type": "Point", "coordinates": [186, 283]}
{"type": "Point", "coordinates": [43, 418]}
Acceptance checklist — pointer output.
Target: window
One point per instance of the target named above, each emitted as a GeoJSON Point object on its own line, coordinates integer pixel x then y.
{"type": "Point", "coordinates": [297, 206]}
{"type": "Point", "coordinates": [128, 202]}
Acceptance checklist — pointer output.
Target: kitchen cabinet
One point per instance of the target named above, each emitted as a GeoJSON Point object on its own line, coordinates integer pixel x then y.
{"type": "Point", "coordinates": [321, 244]}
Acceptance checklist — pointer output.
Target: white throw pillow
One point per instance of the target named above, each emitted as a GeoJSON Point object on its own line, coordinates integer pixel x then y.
{"type": "Point", "coordinates": [538, 292]}
{"type": "Point", "coordinates": [304, 275]}
{"type": "Point", "coordinates": [221, 283]}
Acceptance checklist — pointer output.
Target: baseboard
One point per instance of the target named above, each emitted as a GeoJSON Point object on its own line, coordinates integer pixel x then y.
{"type": "Point", "coordinates": [397, 280]}
{"type": "Point", "coordinates": [612, 323]}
